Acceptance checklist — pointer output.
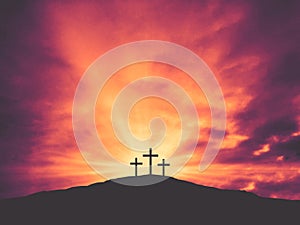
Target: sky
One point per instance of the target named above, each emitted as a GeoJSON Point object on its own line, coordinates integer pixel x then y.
{"type": "Point", "coordinates": [252, 47]}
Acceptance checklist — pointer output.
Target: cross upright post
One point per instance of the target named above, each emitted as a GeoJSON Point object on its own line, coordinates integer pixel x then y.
{"type": "Point", "coordinates": [163, 165]}
{"type": "Point", "coordinates": [136, 163]}
{"type": "Point", "coordinates": [150, 155]}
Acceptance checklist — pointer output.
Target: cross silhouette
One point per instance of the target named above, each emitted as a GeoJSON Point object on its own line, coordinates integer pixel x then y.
{"type": "Point", "coordinates": [150, 155]}
{"type": "Point", "coordinates": [136, 163]}
{"type": "Point", "coordinates": [163, 165]}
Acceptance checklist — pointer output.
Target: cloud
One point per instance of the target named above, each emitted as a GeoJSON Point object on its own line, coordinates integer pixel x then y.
{"type": "Point", "coordinates": [45, 47]}
{"type": "Point", "coordinates": [281, 189]}
{"type": "Point", "coordinates": [271, 112]}
{"type": "Point", "coordinates": [28, 88]}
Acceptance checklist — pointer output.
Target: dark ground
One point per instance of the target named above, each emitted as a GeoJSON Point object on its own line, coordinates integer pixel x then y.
{"type": "Point", "coordinates": [169, 202]}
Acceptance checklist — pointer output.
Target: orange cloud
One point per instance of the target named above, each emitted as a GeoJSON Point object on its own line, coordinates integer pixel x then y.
{"type": "Point", "coordinates": [226, 36]}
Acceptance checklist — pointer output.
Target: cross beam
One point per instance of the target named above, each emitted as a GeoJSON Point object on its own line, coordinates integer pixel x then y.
{"type": "Point", "coordinates": [150, 155]}
{"type": "Point", "coordinates": [163, 165]}
{"type": "Point", "coordinates": [136, 163]}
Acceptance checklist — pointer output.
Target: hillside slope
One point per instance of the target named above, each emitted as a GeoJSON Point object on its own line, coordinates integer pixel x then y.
{"type": "Point", "coordinates": [169, 202]}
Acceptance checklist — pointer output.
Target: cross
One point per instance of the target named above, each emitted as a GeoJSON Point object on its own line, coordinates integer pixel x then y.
{"type": "Point", "coordinates": [163, 164]}
{"type": "Point", "coordinates": [136, 163]}
{"type": "Point", "coordinates": [150, 155]}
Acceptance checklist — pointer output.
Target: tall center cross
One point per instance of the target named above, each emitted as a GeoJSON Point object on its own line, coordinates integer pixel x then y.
{"type": "Point", "coordinates": [136, 163]}
{"type": "Point", "coordinates": [163, 165]}
{"type": "Point", "coordinates": [150, 155]}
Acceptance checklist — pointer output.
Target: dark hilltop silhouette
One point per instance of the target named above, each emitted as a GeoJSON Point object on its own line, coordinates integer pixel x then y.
{"type": "Point", "coordinates": [169, 202]}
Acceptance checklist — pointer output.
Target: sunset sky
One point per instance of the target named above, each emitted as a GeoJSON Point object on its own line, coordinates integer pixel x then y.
{"type": "Point", "coordinates": [252, 47]}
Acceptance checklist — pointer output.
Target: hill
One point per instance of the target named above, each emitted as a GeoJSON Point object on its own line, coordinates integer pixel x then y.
{"type": "Point", "coordinates": [169, 202]}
